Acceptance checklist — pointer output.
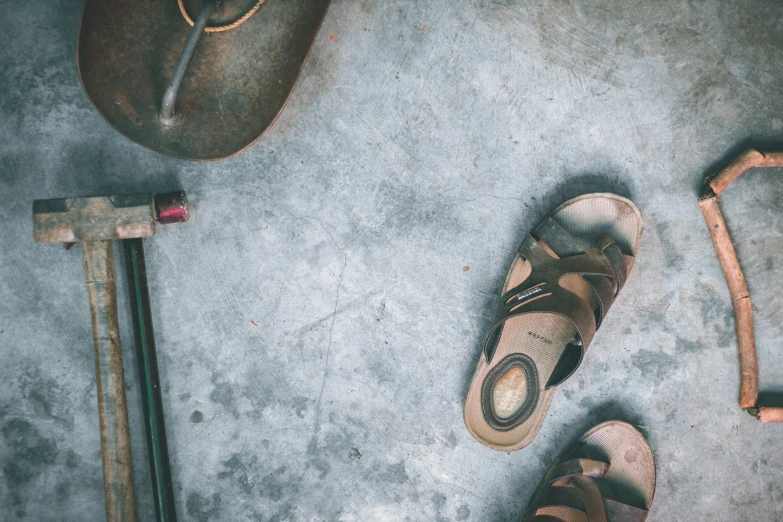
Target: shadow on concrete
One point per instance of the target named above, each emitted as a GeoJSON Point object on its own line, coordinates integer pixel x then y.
{"type": "Point", "coordinates": [770, 398]}
{"type": "Point", "coordinates": [85, 167]}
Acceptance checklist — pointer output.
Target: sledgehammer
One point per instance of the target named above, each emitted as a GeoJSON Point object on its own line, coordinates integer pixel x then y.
{"type": "Point", "coordinates": [96, 222]}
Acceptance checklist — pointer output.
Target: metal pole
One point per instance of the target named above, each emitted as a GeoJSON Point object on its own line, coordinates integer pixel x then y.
{"type": "Point", "coordinates": [149, 381]}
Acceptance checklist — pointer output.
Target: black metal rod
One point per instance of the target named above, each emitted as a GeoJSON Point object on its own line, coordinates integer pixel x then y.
{"type": "Point", "coordinates": [149, 381]}
{"type": "Point", "coordinates": [167, 109]}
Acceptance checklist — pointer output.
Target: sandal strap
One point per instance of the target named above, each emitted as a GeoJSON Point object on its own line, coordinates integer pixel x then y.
{"type": "Point", "coordinates": [591, 496]}
{"type": "Point", "coordinates": [581, 493]}
{"type": "Point", "coordinates": [540, 291]}
{"type": "Point", "coordinates": [621, 263]}
{"type": "Point", "coordinates": [577, 467]}
{"type": "Point", "coordinates": [607, 289]}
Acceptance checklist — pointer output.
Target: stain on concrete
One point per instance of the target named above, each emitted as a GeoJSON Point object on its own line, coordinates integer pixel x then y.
{"type": "Point", "coordinates": [717, 315]}
{"type": "Point", "coordinates": [686, 346]}
{"type": "Point", "coordinates": [274, 485]}
{"type": "Point", "coordinates": [28, 454]}
{"type": "Point", "coordinates": [451, 439]}
{"type": "Point", "coordinates": [395, 474]}
{"type": "Point", "coordinates": [463, 512]}
{"type": "Point", "coordinates": [62, 491]}
{"type": "Point", "coordinates": [654, 365]}
{"type": "Point", "coordinates": [335, 446]}
{"type": "Point", "coordinates": [672, 252]}
{"type": "Point", "coordinates": [196, 417]}
{"type": "Point", "coordinates": [438, 503]}
{"type": "Point", "coordinates": [321, 464]}
{"type": "Point", "coordinates": [72, 459]}
{"type": "Point", "coordinates": [654, 306]}
{"type": "Point", "coordinates": [223, 394]}
{"type": "Point", "coordinates": [47, 397]}
{"type": "Point", "coordinates": [238, 472]}
{"type": "Point", "coordinates": [666, 409]}
{"type": "Point", "coordinates": [244, 472]}
{"type": "Point", "coordinates": [202, 509]}
{"type": "Point", "coordinates": [300, 404]}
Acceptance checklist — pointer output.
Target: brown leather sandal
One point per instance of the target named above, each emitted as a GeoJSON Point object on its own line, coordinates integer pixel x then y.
{"type": "Point", "coordinates": [563, 280]}
{"type": "Point", "coordinates": [608, 475]}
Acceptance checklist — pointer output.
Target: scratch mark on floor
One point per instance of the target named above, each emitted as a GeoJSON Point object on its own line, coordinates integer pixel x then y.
{"type": "Point", "coordinates": [329, 346]}
{"type": "Point", "coordinates": [187, 444]}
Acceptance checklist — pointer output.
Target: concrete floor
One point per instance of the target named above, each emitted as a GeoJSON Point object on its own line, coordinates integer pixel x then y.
{"type": "Point", "coordinates": [315, 324]}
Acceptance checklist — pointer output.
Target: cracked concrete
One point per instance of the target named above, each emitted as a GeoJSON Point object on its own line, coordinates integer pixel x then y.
{"type": "Point", "coordinates": [337, 279]}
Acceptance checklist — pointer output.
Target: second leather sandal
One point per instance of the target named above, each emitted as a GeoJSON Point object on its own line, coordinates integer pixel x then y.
{"type": "Point", "coordinates": [608, 475]}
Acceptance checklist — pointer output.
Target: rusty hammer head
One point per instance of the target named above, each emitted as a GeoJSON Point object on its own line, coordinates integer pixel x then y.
{"type": "Point", "coordinates": [104, 218]}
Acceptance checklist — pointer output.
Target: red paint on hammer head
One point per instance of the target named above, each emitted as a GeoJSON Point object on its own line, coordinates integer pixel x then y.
{"type": "Point", "coordinates": [173, 215]}
{"type": "Point", "coordinates": [171, 207]}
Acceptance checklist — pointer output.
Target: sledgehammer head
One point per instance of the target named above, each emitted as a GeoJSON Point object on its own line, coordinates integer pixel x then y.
{"type": "Point", "coordinates": [104, 218]}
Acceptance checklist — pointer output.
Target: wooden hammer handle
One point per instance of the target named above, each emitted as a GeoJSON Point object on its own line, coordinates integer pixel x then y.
{"type": "Point", "coordinates": [99, 276]}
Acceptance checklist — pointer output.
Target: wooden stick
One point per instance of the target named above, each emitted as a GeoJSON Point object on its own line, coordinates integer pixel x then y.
{"type": "Point", "coordinates": [738, 288]}
{"type": "Point", "coordinates": [745, 161]}
{"type": "Point", "coordinates": [773, 159]}
{"type": "Point", "coordinates": [749, 389]}
{"type": "Point", "coordinates": [769, 414]}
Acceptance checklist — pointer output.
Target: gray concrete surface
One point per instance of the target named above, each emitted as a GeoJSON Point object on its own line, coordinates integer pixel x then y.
{"type": "Point", "coordinates": [406, 154]}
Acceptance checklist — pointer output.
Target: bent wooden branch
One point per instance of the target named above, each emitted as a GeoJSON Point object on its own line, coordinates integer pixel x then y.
{"type": "Point", "coordinates": [740, 297]}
